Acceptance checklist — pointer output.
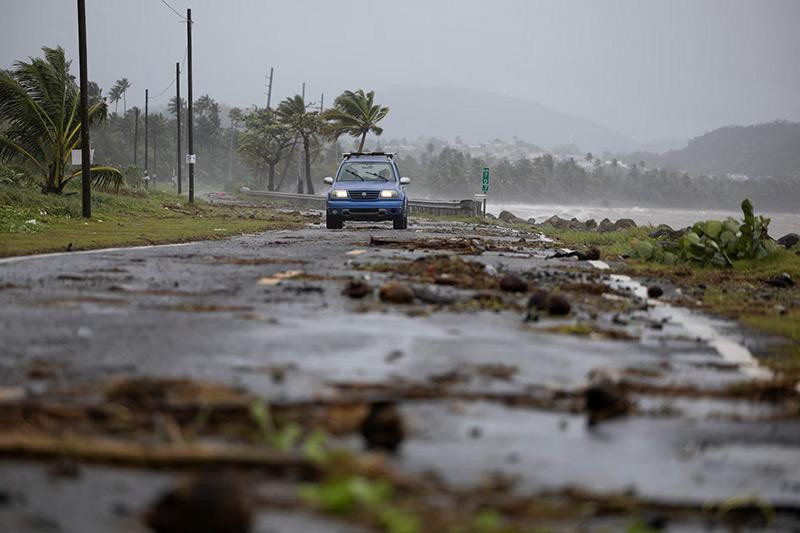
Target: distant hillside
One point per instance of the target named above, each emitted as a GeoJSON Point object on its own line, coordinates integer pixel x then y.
{"type": "Point", "coordinates": [771, 149]}
{"type": "Point", "coordinates": [474, 115]}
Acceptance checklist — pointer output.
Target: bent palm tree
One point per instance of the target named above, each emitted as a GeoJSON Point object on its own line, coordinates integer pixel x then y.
{"type": "Point", "coordinates": [114, 96]}
{"type": "Point", "coordinates": [39, 107]}
{"type": "Point", "coordinates": [355, 114]}
{"type": "Point", "coordinates": [124, 85]}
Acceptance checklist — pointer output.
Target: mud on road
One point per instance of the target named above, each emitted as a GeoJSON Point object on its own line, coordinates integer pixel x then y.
{"type": "Point", "coordinates": [492, 376]}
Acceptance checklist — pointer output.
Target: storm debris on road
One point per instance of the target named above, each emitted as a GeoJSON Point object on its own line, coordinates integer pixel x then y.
{"type": "Point", "coordinates": [213, 501]}
{"type": "Point", "coordinates": [357, 288]}
{"type": "Point", "coordinates": [396, 292]}
{"type": "Point", "coordinates": [513, 283]}
{"type": "Point", "coordinates": [383, 427]}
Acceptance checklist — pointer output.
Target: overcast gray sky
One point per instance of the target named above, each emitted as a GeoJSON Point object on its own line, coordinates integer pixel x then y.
{"type": "Point", "coordinates": [649, 69]}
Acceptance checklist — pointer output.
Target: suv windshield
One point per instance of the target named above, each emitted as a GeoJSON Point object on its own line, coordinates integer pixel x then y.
{"type": "Point", "coordinates": [363, 171]}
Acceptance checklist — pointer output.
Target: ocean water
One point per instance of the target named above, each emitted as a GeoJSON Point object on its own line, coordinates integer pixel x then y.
{"type": "Point", "coordinates": [780, 224]}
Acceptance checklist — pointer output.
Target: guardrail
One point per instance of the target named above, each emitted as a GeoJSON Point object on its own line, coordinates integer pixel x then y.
{"type": "Point", "coordinates": [444, 207]}
{"type": "Point", "coordinates": [420, 207]}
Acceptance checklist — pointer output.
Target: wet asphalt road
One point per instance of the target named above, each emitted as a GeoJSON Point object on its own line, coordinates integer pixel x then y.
{"type": "Point", "coordinates": [214, 311]}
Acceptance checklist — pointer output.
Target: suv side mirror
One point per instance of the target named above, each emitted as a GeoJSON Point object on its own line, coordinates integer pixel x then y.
{"type": "Point", "coordinates": [405, 181]}
{"type": "Point", "coordinates": [328, 180]}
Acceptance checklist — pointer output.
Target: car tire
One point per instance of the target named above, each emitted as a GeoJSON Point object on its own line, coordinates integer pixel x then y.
{"type": "Point", "coordinates": [400, 222]}
{"type": "Point", "coordinates": [332, 222]}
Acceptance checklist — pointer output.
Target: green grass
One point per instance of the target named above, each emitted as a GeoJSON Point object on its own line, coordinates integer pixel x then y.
{"type": "Point", "coordinates": [611, 244]}
{"type": "Point", "coordinates": [125, 219]}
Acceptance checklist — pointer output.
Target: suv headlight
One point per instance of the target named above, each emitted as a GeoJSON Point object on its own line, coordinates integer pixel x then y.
{"type": "Point", "coordinates": [389, 193]}
{"type": "Point", "coordinates": [338, 193]}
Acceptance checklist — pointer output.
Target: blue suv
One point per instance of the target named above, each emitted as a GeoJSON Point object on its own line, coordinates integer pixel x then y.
{"type": "Point", "coordinates": [367, 186]}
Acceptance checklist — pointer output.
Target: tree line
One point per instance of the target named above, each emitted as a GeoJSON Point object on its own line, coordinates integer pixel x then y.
{"type": "Point", "coordinates": [449, 172]}
{"type": "Point", "coordinates": [40, 125]}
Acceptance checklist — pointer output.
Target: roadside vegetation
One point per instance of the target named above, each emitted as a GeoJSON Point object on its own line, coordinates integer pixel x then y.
{"type": "Point", "coordinates": [33, 222]}
{"type": "Point", "coordinates": [729, 268]}
{"type": "Point", "coordinates": [40, 127]}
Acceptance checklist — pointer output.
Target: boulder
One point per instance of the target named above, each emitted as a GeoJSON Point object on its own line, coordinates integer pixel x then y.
{"type": "Point", "coordinates": [605, 226]}
{"type": "Point", "coordinates": [531, 221]}
{"type": "Point", "coordinates": [509, 217]}
{"type": "Point", "coordinates": [576, 224]}
{"type": "Point", "coordinates": [664, 230]}
{"type": "Point", "coordinates": [557, 222]}
{"type": "Point", "coordinates": [789, 240]}
{"type": "Point", "coordinates": [590, 224]}
{"type": "Point", "coordinates": [624, 223]}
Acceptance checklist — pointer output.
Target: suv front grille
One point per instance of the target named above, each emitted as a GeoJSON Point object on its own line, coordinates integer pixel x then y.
{"type": "Point", "coordinates": [364, 195]}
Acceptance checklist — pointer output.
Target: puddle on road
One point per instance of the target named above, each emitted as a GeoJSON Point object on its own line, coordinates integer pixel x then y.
{"type": "Point", "coordinates": [659, 458]}
{"type": "Point", "coordinates": [118, 498]}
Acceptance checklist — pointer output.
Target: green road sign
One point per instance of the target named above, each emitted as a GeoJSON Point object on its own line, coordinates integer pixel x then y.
{"type": "Point", "coordinates": [485, 180]}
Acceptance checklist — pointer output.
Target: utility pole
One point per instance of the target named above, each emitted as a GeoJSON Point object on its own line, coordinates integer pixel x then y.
{"type": "Point", "coordinates": [135, 136]}
{"type": "Point", "coordinates": [190, 117]}
{"type": "Point", "coordinates": [146, 159]}
{"type": "Point", "coordinates": [155, 159]}
{"type": "Point", "coordinates": [86, 191]}
{"type": "Point", "coordinates": [230, 155]}
{"type": "Point", "coordinates": [304, 92]}
{"type": "Point", "coordinates": [178, 118]}
{"type": "Point", "coordinates": [269, 89]}
{"type": "Point", "coordinates": [322, 102]}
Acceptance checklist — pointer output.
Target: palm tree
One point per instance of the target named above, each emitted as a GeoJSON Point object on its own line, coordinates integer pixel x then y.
{"type": "Point", "coordinates": [355, 114]}
{"type": "Point", "coordinates": [235, 115]}
{"type": "Point", "coordinates": [39, 107]}
{"type": "Point", "coordinates": [172, 106]}
{"type": "Point", "coordinates": [305, 124]}
{"type": "Point", "coordinates": [124, 85]}
{"type": "Point", "coordinates": [114, 96]}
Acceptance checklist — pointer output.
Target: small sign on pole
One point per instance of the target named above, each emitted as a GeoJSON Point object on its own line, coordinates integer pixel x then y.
{"type": "Point", "coordinates": [485, 183]}
{"type": "Point", "coordinates": [191, 159]}
{"type": "Point", "coordinates": [77, 158]}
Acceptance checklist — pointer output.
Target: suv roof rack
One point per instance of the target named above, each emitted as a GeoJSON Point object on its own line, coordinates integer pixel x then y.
{"type": "Point", "coordinates": [348, 155]}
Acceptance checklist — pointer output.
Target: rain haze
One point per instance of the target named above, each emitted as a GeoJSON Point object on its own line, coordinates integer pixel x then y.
{"type": "Point", "coordinates": [648, 71]}
{"type": "Point", "coordinates": [458, 265]}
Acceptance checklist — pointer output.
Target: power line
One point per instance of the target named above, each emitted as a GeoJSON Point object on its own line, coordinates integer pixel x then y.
{"type": "Point", "coordinates": [165, 90]}
{"type": "Point", "coordinates": [173, 79]}
{"type": "Point", "coordinates": [173, 9]}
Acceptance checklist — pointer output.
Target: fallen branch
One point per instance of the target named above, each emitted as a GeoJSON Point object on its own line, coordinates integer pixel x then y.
{"type": "Point", "coordinates": [153, 455]}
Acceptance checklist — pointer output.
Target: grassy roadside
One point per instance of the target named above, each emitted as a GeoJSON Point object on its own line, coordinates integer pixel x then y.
{"type": "Point", "coordinates": [126, 219]}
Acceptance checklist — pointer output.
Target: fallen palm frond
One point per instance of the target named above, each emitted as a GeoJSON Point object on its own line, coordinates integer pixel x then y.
{"type": "Point", "coordinates": [153, 455]}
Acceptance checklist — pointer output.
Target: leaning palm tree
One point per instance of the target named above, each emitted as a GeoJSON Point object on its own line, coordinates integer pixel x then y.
{"type": "Point", "coordinates": [114, 96]}
{"type": "Point", "coordinates": [124, 85]}
{"type": "Point", "coordinates": [355, 114]}
{"type": "Point", "coordinates": [39, 107]}
{"type": "Point", "coordinates": [294, 113]}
